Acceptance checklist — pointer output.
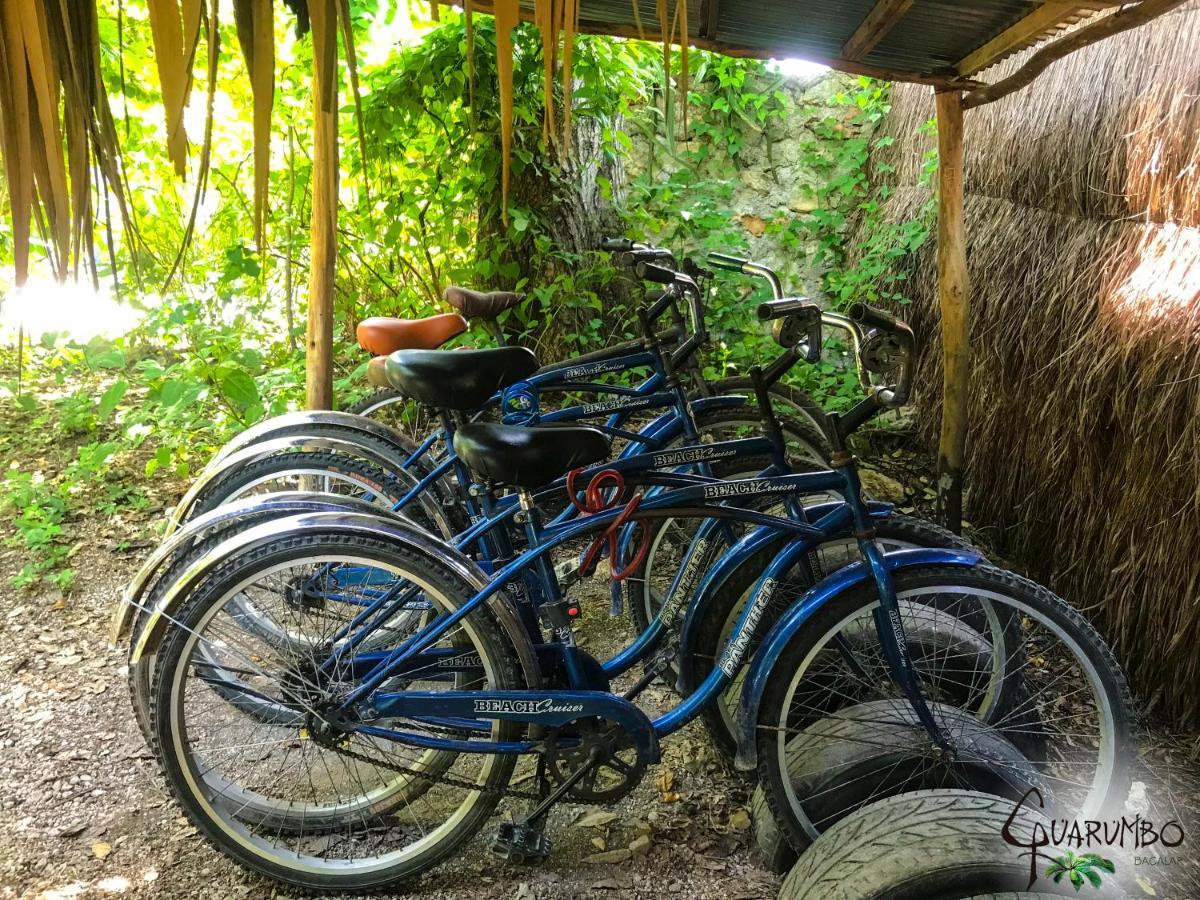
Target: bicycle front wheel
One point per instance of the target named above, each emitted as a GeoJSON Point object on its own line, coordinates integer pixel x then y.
{"type": "Point", "coordinates": [283, 795]}
{"type": "Point", "coordinates": [1071, 704]}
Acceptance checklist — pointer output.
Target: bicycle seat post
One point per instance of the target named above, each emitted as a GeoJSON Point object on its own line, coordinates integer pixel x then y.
{"type": "Point", "coordinates": [555, 609]}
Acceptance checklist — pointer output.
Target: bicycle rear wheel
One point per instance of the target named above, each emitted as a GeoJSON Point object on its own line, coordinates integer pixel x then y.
{"type": "Point", "coordinates": [1070, 698]}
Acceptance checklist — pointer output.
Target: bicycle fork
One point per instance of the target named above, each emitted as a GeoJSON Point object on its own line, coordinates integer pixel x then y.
{"type": "Point", "coordinates": [888, 624]}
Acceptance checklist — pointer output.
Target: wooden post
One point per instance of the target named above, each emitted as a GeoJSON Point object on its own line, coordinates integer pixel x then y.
{"type": "Point", "coordinates": [953, 289]}
{"type": "Point", "coordinates": [323, 258]}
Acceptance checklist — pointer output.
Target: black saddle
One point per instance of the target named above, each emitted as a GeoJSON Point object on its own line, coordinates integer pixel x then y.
{"type": "Point", "coordinates": [480, 305]}
{"type": "Point", "coordinates": [527, 457]}
{"type": "Point", "coordinates": [457, 379]}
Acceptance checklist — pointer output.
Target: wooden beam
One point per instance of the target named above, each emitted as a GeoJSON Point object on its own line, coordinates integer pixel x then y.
{"type": "Point", "coordinates": [1122, 20]}
{"type": "Point", "coordinates": [710, 13]}
{"type": "Point", "coordinates": [953, 291]}
{"type": "Point", "coordinates": [874, 28]}
{"type": "Point", "coordinates": [323, 256]}
{"type": "Point", "coordinates": [1038, 22]}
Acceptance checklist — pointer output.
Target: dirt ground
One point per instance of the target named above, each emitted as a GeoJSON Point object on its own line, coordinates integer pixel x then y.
{"type": "Point", "coordinates": [83, 812]}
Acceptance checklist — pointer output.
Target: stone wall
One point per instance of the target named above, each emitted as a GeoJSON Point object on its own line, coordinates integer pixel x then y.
{"type": "Point", "coordinates": [773, 183]}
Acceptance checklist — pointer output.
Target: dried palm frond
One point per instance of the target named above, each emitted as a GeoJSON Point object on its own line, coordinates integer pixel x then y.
{"type": "Point", "coordinates": [508, 16]}
{"type": "Point", "coordinates": [255, 20]}
{"type": "Point", "coordinates": [173, 59]}
{"type": "Point", "coordinates": [53, 101]}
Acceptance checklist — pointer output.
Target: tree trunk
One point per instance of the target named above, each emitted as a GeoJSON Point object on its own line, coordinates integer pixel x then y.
{"type": "Point", "coordinates": [568, 205]}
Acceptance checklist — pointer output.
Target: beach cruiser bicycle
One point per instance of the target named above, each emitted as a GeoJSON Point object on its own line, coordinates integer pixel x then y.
{"type": "Point", "coordinates": [457, 383]}
{"type": "Point", "coordinates": [369, 756]}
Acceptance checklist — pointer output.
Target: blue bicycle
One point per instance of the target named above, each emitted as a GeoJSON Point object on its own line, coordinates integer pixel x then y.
{"type": "Point", "coordinates": [386, 748]}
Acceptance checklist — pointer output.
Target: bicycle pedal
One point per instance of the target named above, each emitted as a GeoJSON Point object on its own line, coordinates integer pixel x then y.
{"type": "Point", "coordinates": [567, 572]}
{"type": "Point", "coordinates": [520, 843]}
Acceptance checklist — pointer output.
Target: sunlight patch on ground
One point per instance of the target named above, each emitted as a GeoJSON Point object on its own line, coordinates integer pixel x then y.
{"type": "Point", "coordinates": [74, 308]}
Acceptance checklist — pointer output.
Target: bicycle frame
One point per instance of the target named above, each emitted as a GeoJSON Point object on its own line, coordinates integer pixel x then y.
{"type": "Point", "coordinates": [474, 710]}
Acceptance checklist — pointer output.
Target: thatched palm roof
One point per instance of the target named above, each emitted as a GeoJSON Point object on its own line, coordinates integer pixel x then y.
{"type": "Point", "coordinates": [937, 41]}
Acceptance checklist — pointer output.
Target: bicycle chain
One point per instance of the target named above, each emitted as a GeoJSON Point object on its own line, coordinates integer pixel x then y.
{"type": "Point", "coordinates": [506, 791]}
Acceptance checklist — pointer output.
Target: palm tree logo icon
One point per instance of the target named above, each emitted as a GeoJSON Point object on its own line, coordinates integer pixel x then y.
{"type": "Point", "coordinates": [1078, 869]}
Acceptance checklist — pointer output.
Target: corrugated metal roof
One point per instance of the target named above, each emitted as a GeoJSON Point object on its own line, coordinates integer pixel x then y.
{"type": "Point", "coordinates": [925, 42]}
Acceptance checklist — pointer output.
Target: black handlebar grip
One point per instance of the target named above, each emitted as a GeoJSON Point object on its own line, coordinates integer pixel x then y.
{"type": "Point", "coordinates": [777, 309]}
{"type": "Point", "coordinates": [867, 315]}
{"type": "Point", "coordinates": [650, 272]}
{"type": "Point", "coordinates": [631, 258]}
{"type": "Point", "coordinates": [616, 245]}
{"type": "Point", "coordinates": [726, 262]}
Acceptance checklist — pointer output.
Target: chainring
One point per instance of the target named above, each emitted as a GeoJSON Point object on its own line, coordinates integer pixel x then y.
{"type": "Point", "coordinates": [619, 770]}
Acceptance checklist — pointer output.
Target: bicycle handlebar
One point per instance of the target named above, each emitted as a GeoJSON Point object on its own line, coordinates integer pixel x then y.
{"type": "Point", "coordinates": [617, 245]}
{"type": "Point", "coordinates": [746, 267]}
{"type": "Point", "coordinates": [905, 347]}
{"type": "Point", "coordinates": [648, 271]}
{"type": "Point", "coordinates": [726, 262]}
{"type": "Point", "coordinates": [630, 258]}
{"type": "Point", "coordinates": [797, 325]}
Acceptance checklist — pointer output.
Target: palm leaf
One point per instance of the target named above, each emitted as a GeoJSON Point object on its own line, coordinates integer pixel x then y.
{"type": "Point", "coordinates": [50, 176]}
{"type": "Point", "coordinates": [352, 72]}
{"type": "Point", "coordinates": [174, 74]}
{"type": "Point", "coordinates": [15, 132]}
{"type": "Point", "coordinates": [570, 26]}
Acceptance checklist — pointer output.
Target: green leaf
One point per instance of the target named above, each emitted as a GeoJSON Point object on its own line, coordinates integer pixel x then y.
{"type": "Point", "coordinates": [111, 397]}
{"type": "Point", "coordinates": [100, 354]}
{"type": "Point", "coordinates": [172, 392]}
{"type": "Point", "coordinates": [239, 388]}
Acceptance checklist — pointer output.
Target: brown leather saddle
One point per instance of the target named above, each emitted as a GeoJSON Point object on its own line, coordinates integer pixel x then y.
{"type": "Point", "coordinates": [382, 335]}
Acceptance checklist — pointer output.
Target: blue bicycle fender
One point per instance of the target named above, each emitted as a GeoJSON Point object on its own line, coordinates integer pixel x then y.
{"type": "Point", "coordinates": [716, 577]}
{"type": "Point", "coordinates": [762, 666]}
{"type": "Point", "coordinates": [712, 582]}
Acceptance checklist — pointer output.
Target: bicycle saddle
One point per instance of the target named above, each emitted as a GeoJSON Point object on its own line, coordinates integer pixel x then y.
{"type": "Point", "coordinates": [382, 335]}
{"type": "Point", "coordinates": [457, 379]}
{"type": "Point", "coordinates": [477, 305]}
{"type": "Point", "coordinates": [528, 457]}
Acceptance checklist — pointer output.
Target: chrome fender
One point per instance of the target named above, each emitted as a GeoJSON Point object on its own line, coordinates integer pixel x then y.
{"type": "Point", "coordinates": [376, 525]}
{"type": "Point", "coordinates": [270, 428]}
{"type": "Point", "coordinates": [762, 667]}
{"type": "Point", "coordinates": [261, 450]}
{"type": "Point", "coordinates": [280, 504]}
